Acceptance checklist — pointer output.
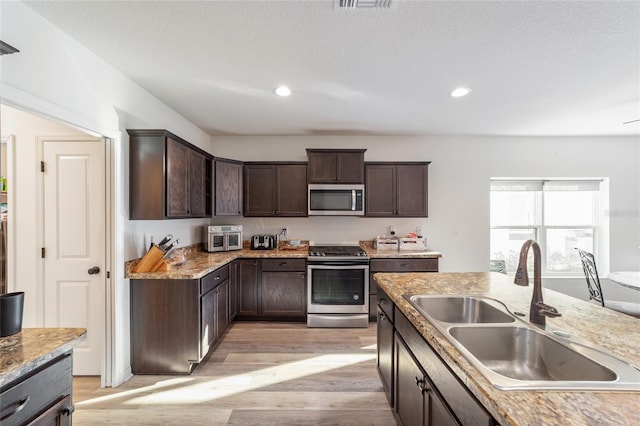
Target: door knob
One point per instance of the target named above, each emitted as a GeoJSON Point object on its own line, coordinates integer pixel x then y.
{"type": "Point", "coordinates": [94, 270]}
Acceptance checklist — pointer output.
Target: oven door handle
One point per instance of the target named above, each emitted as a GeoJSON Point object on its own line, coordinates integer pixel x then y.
{"type": "Point", "coordinates": [327, 264]}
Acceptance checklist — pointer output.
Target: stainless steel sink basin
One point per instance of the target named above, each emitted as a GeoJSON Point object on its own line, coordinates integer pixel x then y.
{"type": "Point", "coordinates": [514, 354]}
{"type": "Point", "coordinates": [526, 354]}
{"type": "Point", "coordinates": [460, 309]}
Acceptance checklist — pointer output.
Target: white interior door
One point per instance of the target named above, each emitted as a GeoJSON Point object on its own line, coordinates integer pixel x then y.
{"type": "Point", "coordinates": [74, 244]}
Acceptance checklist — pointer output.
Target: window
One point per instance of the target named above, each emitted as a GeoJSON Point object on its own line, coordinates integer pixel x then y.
{"type": "Point", "coordinates": [559, 214]}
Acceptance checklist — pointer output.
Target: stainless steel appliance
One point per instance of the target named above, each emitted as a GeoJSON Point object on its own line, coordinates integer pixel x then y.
{"type": "Point", "coordinates": [337, 286]}
{"type": "Point", "coordinates": [336, 200]}
{"type": "Point", "coordinates": [263, 242]}
{"type": "Point", "coordinates": [223, 238]}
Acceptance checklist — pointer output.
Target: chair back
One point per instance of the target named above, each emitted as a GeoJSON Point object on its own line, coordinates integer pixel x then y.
{"type": "Point", "coordinates": [591, 274]}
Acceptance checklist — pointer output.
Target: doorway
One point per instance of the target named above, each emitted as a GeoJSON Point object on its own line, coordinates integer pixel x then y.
{"type": "Point", "coordinates": [54, 231]}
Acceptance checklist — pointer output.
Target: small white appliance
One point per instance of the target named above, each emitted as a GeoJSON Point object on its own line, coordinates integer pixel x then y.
{"type": "Point", "coordinates": [223, 238]}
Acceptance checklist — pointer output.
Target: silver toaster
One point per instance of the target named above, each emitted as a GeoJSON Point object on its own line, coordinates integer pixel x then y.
{"type": "Point", "coordinates": [263, 242]}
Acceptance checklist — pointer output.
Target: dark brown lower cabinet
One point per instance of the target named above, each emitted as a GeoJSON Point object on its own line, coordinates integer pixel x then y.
{"type": "Point", "coordinates": [175, 323]}
{"type": "Point", "coordinates": [39, 397]}
{"type": "Point", "coordinates": [272, 289]}
{"type": "Point", "coordinates": [422, 388]}
{"type": "Point", "coordinates": [417, 401]}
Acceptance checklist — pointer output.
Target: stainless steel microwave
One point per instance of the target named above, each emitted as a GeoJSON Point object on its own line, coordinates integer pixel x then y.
{"type": "Point", "coordinates": [336, 200]}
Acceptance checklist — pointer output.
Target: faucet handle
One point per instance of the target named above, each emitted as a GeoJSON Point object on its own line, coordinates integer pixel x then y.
{"type": "Point", "coordinates": [548, 310]}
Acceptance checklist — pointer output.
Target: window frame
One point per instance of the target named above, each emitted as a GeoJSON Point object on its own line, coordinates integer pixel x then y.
{"type": "Point", "coordinates": [540, 228]}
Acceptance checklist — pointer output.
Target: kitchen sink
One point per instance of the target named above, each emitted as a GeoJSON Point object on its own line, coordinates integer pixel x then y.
{"type": "Point", "coordinates": [526, 354]}
{"type": "Point", "coordinates": [514, 354]}
{"type": "Point", "coordinates": [460, 309]}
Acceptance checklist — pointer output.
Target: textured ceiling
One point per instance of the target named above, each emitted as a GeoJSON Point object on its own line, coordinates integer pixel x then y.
{"type": "Point", "coordinates": [535, 68]}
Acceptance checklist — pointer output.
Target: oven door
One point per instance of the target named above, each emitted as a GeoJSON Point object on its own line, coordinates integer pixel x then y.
{"type": "Point", "coordinates": [215, 241]}
{"type": "Point", "coordinates": [338, 288]}
{"type": "Point", "coordinates": [234, 240]}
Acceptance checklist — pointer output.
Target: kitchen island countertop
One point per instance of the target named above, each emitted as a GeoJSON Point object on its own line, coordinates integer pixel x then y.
{"type": "Point", "coordinates": [607, 329]}
{"type": "Point", "coordinates": [27, 350]}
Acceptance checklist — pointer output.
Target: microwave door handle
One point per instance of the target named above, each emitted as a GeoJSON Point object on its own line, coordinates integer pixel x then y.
{"type": "Point", "coordinates": [353, 200]}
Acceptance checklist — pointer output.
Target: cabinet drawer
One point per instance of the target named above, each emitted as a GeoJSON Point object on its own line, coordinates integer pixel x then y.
{"type": "Point", "coordinates": [34, 395]}
{"type": "Point", "coordinates": [284, 265]}
{"type": "Point", "coordinates": [386, 305]}
{"type": "Point", "coordinates": [214, 278]}
{"type": "Point", "coordinates": [404, 265]}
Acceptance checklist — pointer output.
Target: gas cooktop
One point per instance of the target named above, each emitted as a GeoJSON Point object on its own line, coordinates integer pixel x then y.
{"type": "Point", "coordinates": [335, 252]}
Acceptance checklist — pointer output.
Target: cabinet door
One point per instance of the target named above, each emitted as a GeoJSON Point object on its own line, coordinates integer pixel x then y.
{"type": "Point", "coordinates": [291, 191]}
{"type": "Point", "coordinates": [411, 189]}
{"type": "Point", "coordinates": [283, 294]}
{"type": "Point", "coordinates": [208, 332]}
{"type": "Point", "coordinates": [177, 179]}
{"type": "Point", "coordinates": [58, 414]}
{"type": "Point", "coordinates": [228, 184]}
{"type": "Point", "coordinates": [259, 190]}
{"type": "Point", "coordinates": [197, 184]}
{"type": "Point", "coordinates": [222, 308]}
{"type": "Point", "coordinates": [322, 167]}
{"type": "Point", "coordinates": [380, 195]}
{"type": "Point", "coordinates": [248, 287]}
{"type": "Point", "coordinates": [409, 398]}
{"type": "Point", "coordinates": [385, 353]}
{"type": "Point", "coordinates": [234, 303]}
{"type": "Point", "coordinates": [350, 167]}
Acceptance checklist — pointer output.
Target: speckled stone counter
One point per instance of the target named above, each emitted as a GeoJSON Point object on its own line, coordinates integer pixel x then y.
{"type": "Point", "coordinates": [615, 332]}
{"type": "Point", "coordinates": [199, 263]}
{"type": "Point", "coordinates": [22, 352]}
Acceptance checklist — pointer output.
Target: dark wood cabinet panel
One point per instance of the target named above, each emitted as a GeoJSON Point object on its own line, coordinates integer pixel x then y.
{"type": "Point", "coordinates": [385, 353]}
{"type": "Point", "coordinates": [283, 294]}
{"type": "Point", "coordinates": [396, 189]}
{"type": "Point", "coordinates": [169, 178]}
{"type": "Point", "coordinates": [291, 190]}
{"type": "Point", "coordinates": [248, 287]}
{"type": "Point", "coordinates": [228, 187]}
{"type": "Point", "coordinates": [221, 308]}
{"type": "Point", "coordinates": [380, 196]}
{"type": "Point", "coordinates": [198, 188]}
{"type": "Point", "coordinates": [336, 166]}
{"type": "Point", "coordinates": [177, 179]}
{"type": "Point", "coordinates": [275, 189]}
{"type": "Point", "coordinates": [208, 332]}
{"type": "Point", "coordinates": [409, 398]}
{"type": "Point", "coordinates": [234, 289]}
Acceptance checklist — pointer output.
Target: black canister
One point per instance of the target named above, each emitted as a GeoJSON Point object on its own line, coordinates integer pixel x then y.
{"type": "Point", "coordinates": [11, 307]}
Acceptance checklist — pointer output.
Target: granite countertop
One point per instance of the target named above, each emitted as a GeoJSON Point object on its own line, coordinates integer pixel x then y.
{"type": "Point", "coordinates": [32, 347]}
{"type": "Point", "coordinates": [613, 331]}
{"type": "Point", "coordinates": [199, 263]}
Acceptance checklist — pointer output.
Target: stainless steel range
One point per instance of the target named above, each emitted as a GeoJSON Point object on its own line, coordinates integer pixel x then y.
{"type": "Point", "coordinates": [337, 286]}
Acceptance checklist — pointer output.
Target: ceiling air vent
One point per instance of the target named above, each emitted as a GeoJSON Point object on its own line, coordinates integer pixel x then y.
{"type": "Point", "coordinates": [365, 4]}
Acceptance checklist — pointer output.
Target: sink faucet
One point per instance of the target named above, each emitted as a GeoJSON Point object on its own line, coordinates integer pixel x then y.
{"type": "Point", "coordinates": [538, 310]}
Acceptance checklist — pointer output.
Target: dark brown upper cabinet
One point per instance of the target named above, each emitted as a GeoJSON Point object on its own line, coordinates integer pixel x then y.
{"type": "Point", "coordinates": [275, 189]}
{"type": "Point", "coordinates": [396, 189]}
{"type": "Point", "coordinates": [169, 178]}
{"type": "Point", "coordinates": [228, 184]}
{"type": "Point", "coordinates": [336, 165]}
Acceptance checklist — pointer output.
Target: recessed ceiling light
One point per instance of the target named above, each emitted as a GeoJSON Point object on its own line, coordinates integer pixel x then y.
{"type": "Point", "coordinates": [283, 91]}
{"type": "Point", "coordinates": [459, 92]}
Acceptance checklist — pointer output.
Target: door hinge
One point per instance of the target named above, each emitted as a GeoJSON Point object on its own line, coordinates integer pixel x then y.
{"type": "Point", "coordinates": [42, 166]}
{"type": "Point", "coordinates": [42, 252]}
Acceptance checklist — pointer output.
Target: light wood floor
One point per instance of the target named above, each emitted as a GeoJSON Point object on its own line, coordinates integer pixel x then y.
{"type": "Point", "coordinates": [261, 374]}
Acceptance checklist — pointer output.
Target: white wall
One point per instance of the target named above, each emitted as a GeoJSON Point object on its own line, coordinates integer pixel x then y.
{"type": "Point", "coordinates": [54, 76]}
{"type": "Point", "coordinates": [458, 222]}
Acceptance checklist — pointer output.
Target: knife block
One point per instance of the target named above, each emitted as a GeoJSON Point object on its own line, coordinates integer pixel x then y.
{"type": "Point", "coordinates": [149, 260]}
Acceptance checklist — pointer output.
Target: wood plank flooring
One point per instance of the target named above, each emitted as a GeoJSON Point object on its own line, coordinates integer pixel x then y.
{"type": "Point", "coordinates": [262, 373]}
